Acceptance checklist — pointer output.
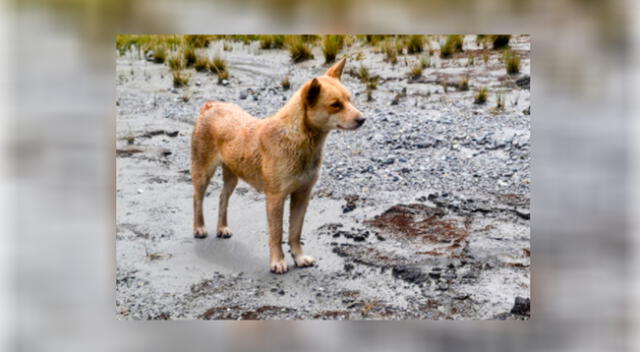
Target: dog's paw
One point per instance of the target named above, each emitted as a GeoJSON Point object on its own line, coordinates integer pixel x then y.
{"type": "Point", "coordinates": [304, 261]}
{"type": "Point", "coordinates": [200, 232]}
{"type": "Point", "coordinates": [224, 232]}
{"type": "Point", "coordinates": [279, 266]}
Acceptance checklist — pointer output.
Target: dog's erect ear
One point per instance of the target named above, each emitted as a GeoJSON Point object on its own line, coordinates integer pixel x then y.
{"type": "Point", "coordinates": [335, 71]}
{"type": "Point", "coordinates": [311, 92]}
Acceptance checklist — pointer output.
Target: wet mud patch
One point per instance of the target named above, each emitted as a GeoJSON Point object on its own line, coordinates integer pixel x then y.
{"type": "Point", "coordinates": [424, 224]}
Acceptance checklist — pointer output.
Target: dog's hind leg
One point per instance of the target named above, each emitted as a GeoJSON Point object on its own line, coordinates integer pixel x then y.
{"type": "Point", "coordinates": [298, 208]}
{"type": "Point", "coordinates": [203, 166]}
{"type": "Point", "coordinates": [230, 182]}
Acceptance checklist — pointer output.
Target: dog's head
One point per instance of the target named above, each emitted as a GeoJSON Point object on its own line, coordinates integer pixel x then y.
{"type": "Point", "coordinates": [328, 103]}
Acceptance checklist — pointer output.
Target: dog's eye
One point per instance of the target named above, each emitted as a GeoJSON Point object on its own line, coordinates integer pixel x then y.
{"type": "Point", "coordinates": [336, 105]}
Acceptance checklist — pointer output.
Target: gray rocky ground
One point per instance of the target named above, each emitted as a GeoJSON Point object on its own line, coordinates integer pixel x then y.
{"type": "Point", "coordinates": [423, 213]}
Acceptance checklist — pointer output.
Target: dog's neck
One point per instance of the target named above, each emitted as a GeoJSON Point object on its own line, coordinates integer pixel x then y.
{"type": "Point", "coordinates": [294, 116]}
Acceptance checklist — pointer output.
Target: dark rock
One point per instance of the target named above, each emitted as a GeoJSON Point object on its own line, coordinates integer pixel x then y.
{"type": "Point", "coordinates": [522, 306]}
{"type": "Point", "coordinates": [348, 267]}
{"type": "Point", "coordinates": [409, 274]}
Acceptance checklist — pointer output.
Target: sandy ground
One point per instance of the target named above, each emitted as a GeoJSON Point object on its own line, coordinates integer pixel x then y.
{"type": "Point", "coordinates": [423, 213]}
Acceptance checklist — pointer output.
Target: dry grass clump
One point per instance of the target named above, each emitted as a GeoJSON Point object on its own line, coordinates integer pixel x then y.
{"type": "Point", "coordinates": [391, 52]}
{"type": "Point", "coordinates": [272, 41]}
{"type": "Point", "coordinates": [512, 62]}
{"type": "Point", "coordinates": [415, 44]}
{"type": "Point", "coordinates": [464, 84]}
{"type": "Point", "coordinates": [285, 83]}
{"type": "Point", "coordinates": [481, 97]}
{"type": "Point", "coordinates": [451, 46]}
{"type": "Point", "coordinates": [197, 40]}
{"type": "Point", "coordinates": [415, 72]}
{"type": "Point", "coordinates": [175, 63]}
{"type": "Point", "coordinates": [298, 48]}
{"type": "Point", "coordinates": [425, 62]}
{"type": "Point", "coordinates": [218, 66]}
{"type": "Point", "coordinates": [189, 55]}
{"type": "Point", "coordinates": [485, 58]}
{"type": "Point", "coordinates": [331, 45]}
{"type": "Point", "coordinates": [159, 54]}
{"type": "Point", "coordinates": [371, 82]}
{"type": "Point", "coordinates": [201, 64]}
{"type": "Point", "coordinates": [180, 78]}
{"type": "Point", "coordinates": [500, 41]}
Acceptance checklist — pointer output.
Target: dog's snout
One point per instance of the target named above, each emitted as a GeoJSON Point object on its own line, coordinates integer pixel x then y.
{"type": "Point", "coordinates": [360, 120]}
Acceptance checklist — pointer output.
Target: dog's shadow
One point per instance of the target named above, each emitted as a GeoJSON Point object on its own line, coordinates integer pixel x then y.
{"type": "Point", "coordinates": [231, 254]}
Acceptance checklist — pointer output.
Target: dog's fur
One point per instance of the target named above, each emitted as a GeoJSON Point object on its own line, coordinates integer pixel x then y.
{"type": "Point", "coordinates": [280, 156]}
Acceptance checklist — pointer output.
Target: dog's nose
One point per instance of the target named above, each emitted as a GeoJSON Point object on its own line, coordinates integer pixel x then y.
{"type": "Point", "coordinates": [360, 120]}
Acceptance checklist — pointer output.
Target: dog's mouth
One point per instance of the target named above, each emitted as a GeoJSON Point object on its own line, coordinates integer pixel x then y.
{"type": "Point", "coordinates": [350, 128]}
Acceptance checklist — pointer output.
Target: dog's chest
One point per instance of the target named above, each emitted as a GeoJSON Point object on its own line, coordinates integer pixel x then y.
{"type": "Point", "coordinates": [306, 170]}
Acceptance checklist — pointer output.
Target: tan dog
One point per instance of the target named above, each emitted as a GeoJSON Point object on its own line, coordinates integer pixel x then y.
{"type": "Point", "coordinates": [280, 156]}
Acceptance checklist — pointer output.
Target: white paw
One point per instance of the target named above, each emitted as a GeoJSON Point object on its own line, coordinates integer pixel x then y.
{"type": "Point", "coordinates": [200, 232]}
{"type": "Point", "coordinates": [304, 260]}
{"type": "Point", "coordinates": [279, 266]}
{"type": "Point", "coordinates": [224, 232]}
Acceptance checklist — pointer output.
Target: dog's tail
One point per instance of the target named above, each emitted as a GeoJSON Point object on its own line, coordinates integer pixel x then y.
{"type": "Point", "coordinates": [206, 106]}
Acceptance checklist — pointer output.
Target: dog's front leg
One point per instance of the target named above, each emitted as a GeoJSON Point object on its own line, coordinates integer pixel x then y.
{"type": "Point", "coordinates": [275, 205]}
{"type": "Point", "coordinates": [299, 202]}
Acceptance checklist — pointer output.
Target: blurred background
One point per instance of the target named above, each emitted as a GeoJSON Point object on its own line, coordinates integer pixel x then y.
{"type": "Point", "coordinates": [57, 172]}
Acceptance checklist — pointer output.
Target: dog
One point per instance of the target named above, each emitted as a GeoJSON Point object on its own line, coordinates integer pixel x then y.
{"type": "Point", "coordinates": [280, 156]}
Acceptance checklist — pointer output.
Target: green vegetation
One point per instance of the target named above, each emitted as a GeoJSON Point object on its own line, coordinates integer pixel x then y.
{"type": "Point", "coordinates": [298, 48]}
{"type": "Point", "coordinates": [189, 55]}
{"type": "Point", "coordinates": [512, 62]}
{"type": "Point", "coordinates": [180, 78]}
{"type": "Point", "coordinates": [416, 72]}
{"type": "Point", "coordinates": [272, 41]}
{"type": "Point", "coordinates": [470, 60]}
{"type": "Point", "coordinates": [451, 46]}
{"type": "Point", "coordinates": [217, 65]}
{"type": "Point", "coordinates": [464, 84]}
{"type": "Point", "coordinates": [175, 63]}
{"type": "Point", "coordinates": [159, 54]}
{"type": "Point", "coordinates": [481, 97]}
{"type": "Point", "coordinates": [485, 58]}
{"type": "Point", "coordinates": [331, 45]}
{"type": "Point", "coordinates": [391, 52]}
{"type": "Point", "coordinates": [197, 40]}
{"type": "Point", "coordinates": [425, 62]}
{"type": "Point", "coordinates": [285, 83]}
{"type": "Point", "coordinates": [201, 64]}
{"type": "Point", "coordinates": [415, 44]}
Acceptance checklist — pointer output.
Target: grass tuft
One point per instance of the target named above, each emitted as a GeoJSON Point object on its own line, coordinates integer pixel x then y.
{"type": "Point", "coordinates": [272, 41]}
{"type": "Point", "coordinates": [331, 45]}
{"type": "Point", "coordinates": [189, 55]}
{"type": "Point", "coordinates": [464, 84]}
{"type": "Point", "coordinates": [197, 40]}
{"type": "Point", "coordinates": [298, 48]}
{"type": "Point", "coordinates": [180, 78]}
{"type": "Point", "coordinates": [415, 44]}
{"type": "Point", "coordinates": [451, 46]}
{"type": "Point", "coordinates": [159, 54]}
{"type": "Point", "coordinates": [481, 97]}
{"type": "Point", "coordinates": [217, 65]}
{"type": "Point", "coordinates": [391, 52]}
{"type": "Point", "coordinates": [415, 72]}
{"type": "Point", "coordinates": [512, 62]}
{"type": "Point", "coordinates": [201, 64]}
{"type": "Point", "coordinates": [175, 63]}
{"type": "Point", "coordinates": [285, 83]}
